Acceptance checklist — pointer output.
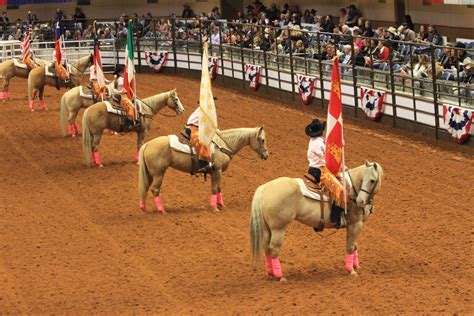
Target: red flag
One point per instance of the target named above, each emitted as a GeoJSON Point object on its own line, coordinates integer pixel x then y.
{"type": "Point", "coordinates": [334, 141]}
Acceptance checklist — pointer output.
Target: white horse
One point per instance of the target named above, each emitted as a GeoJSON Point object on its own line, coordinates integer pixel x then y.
{"type": "Point", "coordinates": [278, 202]}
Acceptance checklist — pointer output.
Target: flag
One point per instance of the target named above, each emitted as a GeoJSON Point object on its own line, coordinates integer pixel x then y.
{"type": "Point", "coordinates": [305, 87]}
{"type": "Point", "coordinates": [372, 102]}
{"type": "Point", "coordinates": [26, 43]}
{"type": "Point", "coordinates": [129, 73]}
{"type": "Point", "coordinates": [156, 60]}
{"type": "Point", "coordinates": [58, 42]}
{"type": "Point", "coordinates": [99, 72]}
{"type": "Point", "coordinates": [208, 117]}
{"type": "Point", "coordinates": [252, 73]}
{"type": "Point", "coordinates": [334, 141]}
{"type": "Point", "coordinates": [458, 122]}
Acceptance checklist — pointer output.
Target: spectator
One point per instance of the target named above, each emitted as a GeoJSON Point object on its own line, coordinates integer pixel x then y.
{"type": "Point", "coordinates": [29, 18]}
{"type": "Point", "coordinates": [188, 13]}
{"type": "Point", "coordinates": [433, 36]}
{"type": "Point", "coordinates": [467, 73]}
{"type": "Point", "coordinates": [359, 59]}
{"type": "Point", "coordinates": [461, 53]}
{"type": "Point", "coordinates": [59, 16]}
{"type": "Point", "coordinates": [307, 17]}
{"type": "Point", "coordinates": [407, 34]}
{"type": "Point", "coordinates": [361, 24]}
{"type": "Point", "coordinates": [358, 41]}
{"type": "Point", "coordinates": [215, 14]}
{"type": "Point", "coordinates": [382, 56]}
{"type": "Point", "coordinates": [273, 13]}
{"type": "Point", "coordinates": [422, 34]}
{"type": "Point", "coordinates": [79, 18]}
{"type": "Point", "coordinates": [4, 22]}
{"type": "Point", "coordinates": [368, 31]}
{"type": "Point", "coordinates": [421, 67]}
{"type": "Point", "coordinates": [352, 15]}
{"type": "Point", "coordinates": [215, 37]}
{"type": "Point", "coordinates": [328, 24]}
{"type": "Point", "coordinates": [409, 22]}
{"type": "Point", "coordinates": [346, 57]}
{"type": "Point", "coordinates": [164, 29]}
{"type": "Point", "coordinates": [343, 18]}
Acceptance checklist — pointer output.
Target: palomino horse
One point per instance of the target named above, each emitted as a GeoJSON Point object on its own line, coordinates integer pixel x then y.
{"type": "Point", "coordinates": [96, 119]}
{"type": "Point", "coordinates": [9, 70]}
{"type": "Point", "coordinates": [278, 202]}
{"type": "Point", "coordinates": [37, 79]}
{"type": "Point", "coordinates": [156, 156]}
{"type": "Point", "coordinates": [71, 103]}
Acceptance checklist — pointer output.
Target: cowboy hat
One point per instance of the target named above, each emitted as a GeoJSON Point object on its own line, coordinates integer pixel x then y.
{"type": "Point", "coordinates": [315, 128]}
{"type": "Point", "coordinates": [468, 62]}
{"type": "Point", "coordinates": [392, 30]}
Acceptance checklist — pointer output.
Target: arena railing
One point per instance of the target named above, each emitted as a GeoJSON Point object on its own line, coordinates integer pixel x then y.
{"type": "Point", "coordinates": [408, 97]}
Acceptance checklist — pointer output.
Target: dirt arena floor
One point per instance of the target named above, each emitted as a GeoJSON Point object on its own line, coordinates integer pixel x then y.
{"type": "Point", "coordinates": [74, 241]}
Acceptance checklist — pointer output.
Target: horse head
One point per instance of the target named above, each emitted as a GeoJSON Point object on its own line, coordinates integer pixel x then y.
{"type": "Point", "coordinates": [259, 144]}
{"type": "Point", "coordinates": [174, 103]}
{"type": "Point", "coordinates": [371, 182]}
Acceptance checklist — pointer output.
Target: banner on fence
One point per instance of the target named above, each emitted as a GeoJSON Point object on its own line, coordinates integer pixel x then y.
{"type": "Point", "coordinates": [458, 122]}
{"type": "Point", "coordinates": [372, 102]}
{"type": "Point", "coordinates": [156, 60]}
{"type": "Point", "coordinates": [252, 73]}
{"type": "Point", "coordinates": [213, 64]}
{"type": "Point", "coordinates": [305, 87]}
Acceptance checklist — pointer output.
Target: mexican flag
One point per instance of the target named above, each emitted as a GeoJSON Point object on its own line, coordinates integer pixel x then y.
{"type": "Point", "coordinates": [129, 73]}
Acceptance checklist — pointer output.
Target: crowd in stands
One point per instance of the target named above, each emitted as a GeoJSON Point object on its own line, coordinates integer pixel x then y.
{"type": "Point", "coordinates": [284, 31]}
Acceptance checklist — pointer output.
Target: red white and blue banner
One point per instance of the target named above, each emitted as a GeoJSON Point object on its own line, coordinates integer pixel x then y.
{"type": "Point", "coordinates": [305, 87]}
{"type": "Point", "coordinates": [156, 60]}
{"type": "Point", "coordinates": [252, 73]}
{"type": "Point", "coordinates": [58, 56]}
{"type": "Point", "coordinates": [372, 102]}
{"type": "Point", "coordinates": [458, 122]}
{"type": "Point", "coordinates": [213, 64]}
{"type": "Point", "coordinates": [26, 43]}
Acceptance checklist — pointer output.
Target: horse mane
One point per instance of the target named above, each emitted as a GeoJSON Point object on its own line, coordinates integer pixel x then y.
{"type": "Point", "coordinates": [233, 135]}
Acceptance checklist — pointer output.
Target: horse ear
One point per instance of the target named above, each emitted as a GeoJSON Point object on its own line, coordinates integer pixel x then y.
{"type": "Point", "coordinates": [366, 163]}
{"type": "Point", "coordinates": [375, 165]}
{"type": "Point", "coordinates": [260, 130]}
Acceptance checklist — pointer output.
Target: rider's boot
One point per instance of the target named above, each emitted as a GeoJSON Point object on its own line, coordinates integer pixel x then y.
{"type": "Point", "coordinates": [205, 166]}
{"type": "Point", "coordinates": [336, 213]}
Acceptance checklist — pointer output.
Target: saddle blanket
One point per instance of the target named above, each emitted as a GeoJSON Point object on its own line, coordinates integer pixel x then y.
{"type": "Point", "coordinates": [83, 94]}
{"type": "Point", "coordinates": [19, 64]}
{"type": "Point", "coordinates": [310, 194]}
{"type": "Point", "coordinates": [114, 110]}
{"type": "Point", "coordinates": [51, 74]}
{"type": "Point", "coordinates": [89, 95]}
{"type": "Point", "coordinates": [184, 148]}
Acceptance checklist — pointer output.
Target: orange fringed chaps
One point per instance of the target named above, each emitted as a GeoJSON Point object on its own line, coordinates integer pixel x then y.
{"type": "Point", "coordinates": [334, 186]}
{"type": "Point", "coordinates": [203, 152]}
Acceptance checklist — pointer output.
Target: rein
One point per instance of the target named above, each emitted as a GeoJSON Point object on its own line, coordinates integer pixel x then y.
{"type": "Point", "coordinates": [230, 152]}
{"type": "Point", "coordinates": [153, 111]}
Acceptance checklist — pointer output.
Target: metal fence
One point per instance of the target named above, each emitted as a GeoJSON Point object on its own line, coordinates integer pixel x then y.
{"type": "Point", "coordinates": [409, 95]}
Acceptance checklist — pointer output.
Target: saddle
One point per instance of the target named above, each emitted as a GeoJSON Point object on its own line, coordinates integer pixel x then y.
{"type": "Point", "coordinates": [186, 140]}
{"type": "Point", "coordinates": [313, 186]}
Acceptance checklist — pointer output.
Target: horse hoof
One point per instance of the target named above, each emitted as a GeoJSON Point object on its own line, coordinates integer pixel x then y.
{"type": "Point", "coordinates": [215, 209]}
{"type": "Point", "coordinates": [100, 165]}
{"type": "Point", "coordinates": [353, 273]}
{"type": "Point", "coordinates": [32, 110]}
{"type": "Point", "coordinates": [220, 206]}
{"type": "Point", "coordinates": [283, 280]}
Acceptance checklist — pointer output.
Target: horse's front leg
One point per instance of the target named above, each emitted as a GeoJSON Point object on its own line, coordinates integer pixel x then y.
{"type": "Point", "coordinates": [4, 93]}
{"type": "Point", "coordinates": [215, 192]}
{"type": "Point", "coordinates": [140, 139]}
{"type": "Point", "coordinates": [352, 257]}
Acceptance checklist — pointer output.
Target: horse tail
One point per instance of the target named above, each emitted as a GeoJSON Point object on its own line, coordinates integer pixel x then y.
{"type": "Point", "coordinates": [86, 137]}
{"type": "Point", "coordinates": [257, 224]}
{"type": "Point", "coordinates": [64, 113]}
{"type": "Point", "coordinates": [144, 178]}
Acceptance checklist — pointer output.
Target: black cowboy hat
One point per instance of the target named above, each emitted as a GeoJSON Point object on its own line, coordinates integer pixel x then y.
{"type": "Point", "coordinates": [118, 69]}
{"type": "Point", "coordinates": [315, 128]}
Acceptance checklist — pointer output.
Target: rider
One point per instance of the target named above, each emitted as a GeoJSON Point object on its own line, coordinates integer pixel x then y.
{"type": "Point", "coordinates": [97, 92]}
{"type": "Point", "coordinates": [317, 168]}
{"type": "Point", "coordinates": [192, 131]}
{"type": "Point", "coordinates": [121, 97]}
{"type": "Point", "coordinates": [59, 70]}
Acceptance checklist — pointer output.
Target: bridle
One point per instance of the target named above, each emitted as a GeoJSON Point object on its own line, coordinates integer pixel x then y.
{"type": "Point", "coordinates": [229, 151]}
{"type": "Point", "coordinates": [175, 108]}
{"type": "Point", "coordinates": [371, 193]}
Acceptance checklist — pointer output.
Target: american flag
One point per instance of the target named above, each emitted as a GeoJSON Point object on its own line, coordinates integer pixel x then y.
{"type": "Point", "coordinates": [26, 43]}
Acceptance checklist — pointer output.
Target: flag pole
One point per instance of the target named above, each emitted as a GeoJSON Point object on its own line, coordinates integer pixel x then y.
{"type": "Point", "coordinates": [344, 172]}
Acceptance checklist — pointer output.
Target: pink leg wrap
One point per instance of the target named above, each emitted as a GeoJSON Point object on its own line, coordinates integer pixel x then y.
{"type": "Point", "coordinates": [268, 264]}
{"type": "Point", "coordinates": [276, 265]}
{"type": "Point", "coordinates": [96, 157]}
{"type": "Point", "coordinates": [142, 205]}
{"type": "Point", "coordinates": [137, 155]}
{"type": "Point", "coordinates": [356, 259]}
{"type": "Point", "coordinates": [220, 199]}
{"type": "Point", "coordinates": [350, 262]}
{"type": "Point", "coordinates": [159, 204]}
{"type": "Point", "coordinates": [3, 95]}
{"type": "Point", "coordinates": [42, 105]}
{"type": "Point", "coordinates": [32, 105]}
{"type": "Point", "coordinates": [70, 129]}
{"type": "Point", "coordinates": [76, 129]}
{"type": "Point", "coordinates": [213, 200]}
